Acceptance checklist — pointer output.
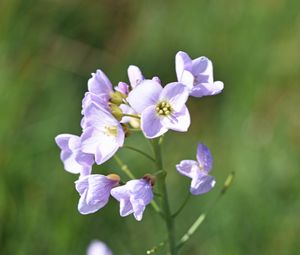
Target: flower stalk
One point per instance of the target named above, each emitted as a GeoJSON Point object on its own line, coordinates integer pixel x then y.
{"type": "Point", "coordinates": [161, 182]}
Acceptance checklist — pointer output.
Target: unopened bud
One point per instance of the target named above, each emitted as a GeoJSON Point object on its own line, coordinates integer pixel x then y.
{"type": "Point", "coordinates": [117, 97]}
{"type": "Point", "coordinates": [114, 177]}
{"type": "Point", "coordinates": [116, 111]}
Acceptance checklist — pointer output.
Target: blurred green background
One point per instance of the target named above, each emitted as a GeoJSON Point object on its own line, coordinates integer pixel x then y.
{"type": "Point", "coordinates": [48, 49]}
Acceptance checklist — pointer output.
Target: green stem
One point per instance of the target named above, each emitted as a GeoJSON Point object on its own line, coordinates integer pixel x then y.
{"type": "Point", "coordinates": [201, 218]}
{"type": "Point", "coordinates": [191, 230]}
{"type": "Point", "coordinates": [161, 181]}
{"type": "Point", "coordinates": [127, 171]}
{"type": "Point", "coordinates": [124, 167]}
{"type": "Point", "coordinates": [139, 151]}
{"type": "Point", "coordinates": [131, 115]}
{"type": "Point", "coordinates": [182, 205]}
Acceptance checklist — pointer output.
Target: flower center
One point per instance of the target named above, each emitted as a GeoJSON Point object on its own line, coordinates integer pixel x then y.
{"type": "Point", "coordinates": [163, 108]}
{"type": "Point", "coordinates": [111, 131]}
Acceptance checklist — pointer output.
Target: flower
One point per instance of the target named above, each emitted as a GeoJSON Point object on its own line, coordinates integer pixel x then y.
{"type": "Point", "coordinates": [135, 76]}
{"type": "Point", "coordinates": [161, 108]}
{"type": "Point", "coordinates": [122, 88]}
{"type": "Point", "coordinates": [197, 75]}
{"type": "Point", "coordinates": [98, 248]}
{"type": "Point", "coordinates": [100, 85]}
{"type": "Point", "coordinates": [102, 134]}
{"type": "Point", "coordinates": [134, 196]}
{"type": "Point", "coordinates": [94, 191]}
{"type": "Point", "coordinates": [75, 161]}
{"type": "Point", "coordinates": [198, 171]}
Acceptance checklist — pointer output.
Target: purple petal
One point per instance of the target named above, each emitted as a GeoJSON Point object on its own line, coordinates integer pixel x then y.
{"type": "Point", "coordinates": [98, 116]}
{"type": "Point", "coordinates": [156, 79]}
{"type": "Point", "coordinates": [203, 66]}
{"type": "Point", "coordinates": [96, 141]}
{"type": "Point", "coordinates": [90, 98]}
{"type": "Point", "coordinates": [179, 121]}
{"type": "Point", "coordinates": [207, 89]}
{"type": "Point", "coordinates": [182, 62]}
{"type": "Point", "coordinates": [144, 95]}
{"type": "Point", "coordinates": [187, 79]}
{"type": "Point", "coordinates": [138, 206]}
{"type": "Point", "coordinates": [82, 184]}
{"type": "Point", "coordinates": [103, 134]}
{"type": "Point", "coordinates": [204, 157]}
{"type": "Point", "coordinates": [94, 191]}
{"type": "Point", "coordinates": [135, 76]}
{"type": "Point", "coordinates": [188, 168]}
{"type": "Point", "coordinates": [122, 194]}
{"type": "Point", "coordinates": [100, 85]}
{"type": "Point", "coordinates": [122, 88]}
{"type": "Point", "coordinates": [134, 196]}
{"type": "Point", "coordinates": [98, 248]}
{"type": "Point", "coordinates": [176, 94]}
{"type": "Point", "coordinates": [74, 160]}
{"type": "Point", "coordinates": [151, 124]}
{"type": "Point", "coordinates": [125, 207]}
{"type": "Point", "coordinates": [202, 184]}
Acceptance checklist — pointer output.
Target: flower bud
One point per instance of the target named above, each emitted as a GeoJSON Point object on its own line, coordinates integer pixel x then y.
{"type": "Point", "coordinates": [117, 97]}
{"type": "Point", "coordinates": [114, 177]}
{"type": "Point", "coordinates": [116, 111]}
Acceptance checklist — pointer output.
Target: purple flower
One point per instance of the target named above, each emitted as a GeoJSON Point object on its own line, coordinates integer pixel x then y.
{"type": "Point", "coordinates": [135, 76]}
{"type": "Point", "coordinates": [198, 171]}
{"type": "Point", "coordinates": [100, 85]}
{"type": "Point", "coordinates": [94, 191]}
{"type": "Point", "coordinates": [98, 248]}
{"type": "Point", "coordinates": [197, 75]}
{"type": "Point", "coordinates": [102, 135]}
{"type": "Point", "coordinates": [75, 161]}
{"type": "Point", "coordinates": [122, 88]}
{"type": "Point", "coordinates": [134, 196]}
{"type": "Point", "coordinates": [161, 108]}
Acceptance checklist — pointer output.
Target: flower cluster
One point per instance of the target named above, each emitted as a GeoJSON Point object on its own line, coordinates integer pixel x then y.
{"type": "Point", "coordinates": [111, 113]}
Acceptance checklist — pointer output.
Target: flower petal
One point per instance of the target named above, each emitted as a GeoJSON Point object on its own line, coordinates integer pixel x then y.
{"type": "Point", "coordinates": [179, 121]}
{"type": "Point", "coordinates": [98, 248]}
{"type": "Point", "coordinates": [138, 206]}
{"type": "Point", "coordinates": [122, 88]}
{"type": "Point", "coordinates": [91, 98]}
{"type": "Point", "coordinates": [207, 89]}
{"type": "Point", "coordinates": [100, 85]}
{"type": "Point", "coordinates": [144, 95]}
{"type": "Point", "coordinates": [176, 94]}
{"type": "Point", "coordinates": [134, 196]}
{"type": "Point", "coordinates": [98, 116]}
{"type": "Point", "coordinates": [187, 79]}
{"type": "Point", "coordinates": [95, 191]}
{"type": "Point", "coordinates": [203, 66]}
{"type": "Point", "coordinates": [135, 76]}
{"type": "Point", "coordinates": [103, 146]}
{"type": "Point", "coordinates": [182, 62]}
{"type": "Point", "coordinates": [74, 160]}
{"type": "Point", "coordinates": [188, 168]}
{"type": "Point", "coordinates": [204, 157]}
{"type": "Point", "coordinates": [202, 184]}
{"type": "Point", "coordinates": [151, 123]}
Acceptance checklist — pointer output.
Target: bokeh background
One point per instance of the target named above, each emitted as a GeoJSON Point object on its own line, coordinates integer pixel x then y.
{"type": "Point", "coordinates": [48, 49]}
